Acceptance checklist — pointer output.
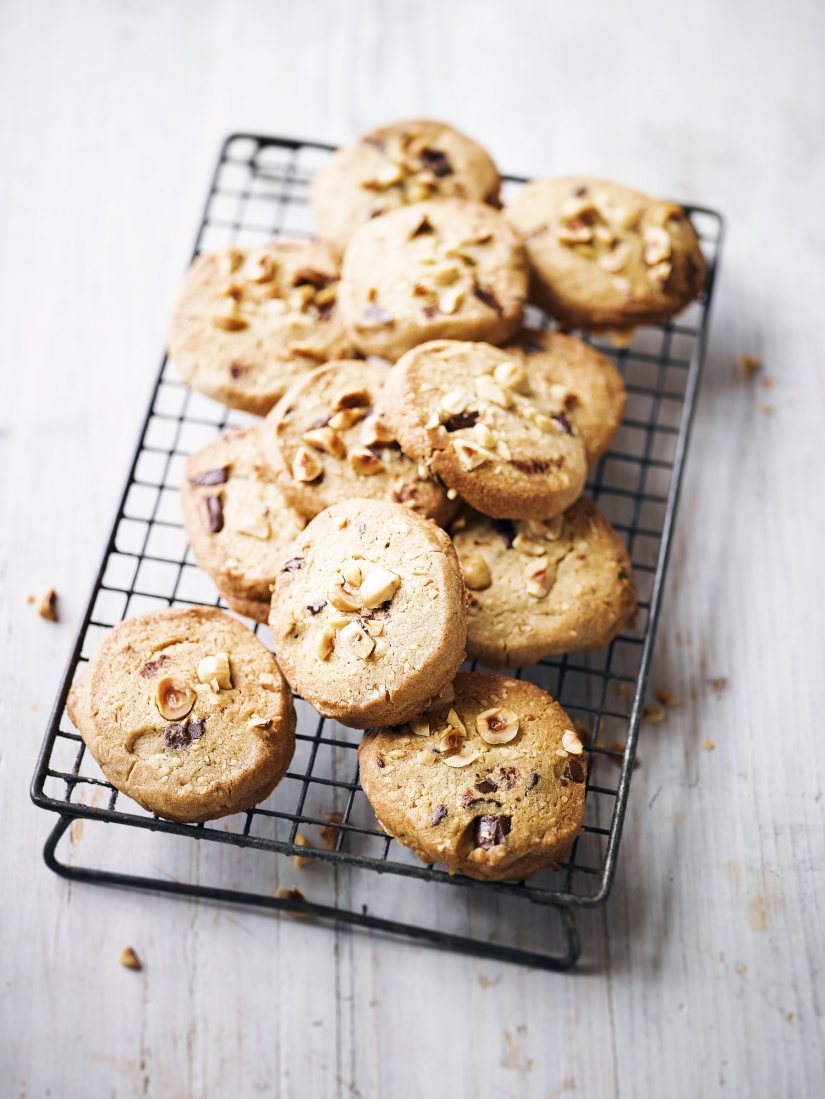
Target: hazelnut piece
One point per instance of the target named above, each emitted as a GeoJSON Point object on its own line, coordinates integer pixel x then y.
{"type": "Point", "coordinates": [539, 577]}
{"type": "Point", "coordinates": [358, 640]}
{"type": "Point", "coordinates": [476, 571]}
{"type": "Point", "coordinates": [469, 455]}
{"type": "Point", "coordinates": [364, 462]}
{"type": "Point", "coordinates": [463, 758]}
{"type": "Point", "coordinates": [511, 375]}
{"type": "Point", "coordinates": [571, 743]}
{"type": "Point", "coordinates": [307, 466]}
{"type": "Point", "coordinates": [375, 431]}
{"type": "Point", "coordinates": [174, 698]}
{"type": "Point", "coordinates": [378, 586]}
{"type": "Point", "coordinates": [491, 391]}
{"type": "Point", "coordinates": [497, 726]}
{"type": "Point", "coordinates": [343, 597]}
{"type": "Point", "coordinates": [656, 245]}
{"type": "Point", "coordinates": [215, 670]}
{"type": "Point", "coordinates": [420, 726]}
{"type": "Point", "coordinates": [326, 439]}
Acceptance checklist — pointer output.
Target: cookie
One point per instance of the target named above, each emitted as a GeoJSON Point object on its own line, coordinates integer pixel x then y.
{"type": "Point", "coordinates": [489, 426]}
{"type": "Point", "coordinates": [237, 519]}
{"type": "Point", "coordinates": [326, 444]}
{"type": "Point", "coordinates": [605, 256]}
{"type": "Point", "coordinates": [393, 166]}
{"type": "Point", "coordinates": [589, 390]}
{"type": "Point", "coordinates": [491, 783]}
{"type": "Point", "coordinates": [451, 269]}
{"type": "Point", "coordinates": [247, 321]}
{"type": "Point", "coordinates": [539, 588]}
{"type": "Point", "coordinates": [187, 713]}
{"type": "Point", "coordinates": [368, 613]}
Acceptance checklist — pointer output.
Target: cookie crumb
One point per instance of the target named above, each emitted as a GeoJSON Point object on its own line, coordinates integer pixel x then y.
{"type": "Point", "coordinates": [292, 893]}
{"type": "Point", "coordinates": [767, 409]}
{"type": "Point", "coordinates": [708, 745]}
{"type": "Point", "coordinates": [667, 699]}
{"type": "Point", "coordinates": [654, 714]}
{"type": "Point", "coordinates": [718, 684]}
{"type": "Point", "coordinates": [129, 959]}
{"type": "Point", "coordinates": [329, 833]}
{"type": "Point", "coordinates": [767, 383]}
{"type": "Point", "coordinates": [749, 365]}
{"type": "Point", "coordinates": [30, 597]}
{"type": "Point", "coordinates": [47, 605]}
{"type": "Point", "coordinates": [299, 860]}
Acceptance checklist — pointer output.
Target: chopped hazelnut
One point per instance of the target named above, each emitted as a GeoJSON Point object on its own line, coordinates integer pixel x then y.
{"type": "Point", "coordinates": [378, 586]}
{"type": "Point", "coordinates": [325, 643]}
{"type": "Point", "coordinates": [656, 245]}
{"type": "Point", "coordinates": [462, 759]}
{"type": "Point", "coordinates": [375, 431]}
{"type": "Point", "coordinates": [469, 455]}
{"type": "Point", "coordinates": [491, 391]}
{"type": "Point", "coordinates": [307, 466]}
{"type": "Point", "coordinates": [497, 726]}
{"type": "Point", "coordinates": [477, 575]}
{"type": "Point", "coordinates": [129, 959]}
{"type": "Point", "coordinates": [327, 440]}
{"type": "Point", "coordinates": [358, 640]}
{"type": "Point", "coordinates": [343, 597]}
{"type": "Point", "coordinates": [420, 726]}
{"type": "Point", "coordinates": [571, 743]}
{"type": "Point", "coordinates": [301, 841]}
{"type": "Point", "coordinates": [364, 462]}
{"type": "Point", "coordinates": [47, 605]}
{"type": "Point", "coordinates": [539, 577]}
{"type": "Point", "coordinates": [174, 698]}
{"type": "Point", "coordinates": [215, 670]}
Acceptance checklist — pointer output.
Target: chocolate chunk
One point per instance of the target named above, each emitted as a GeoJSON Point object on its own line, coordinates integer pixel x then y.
{"type": "Point", "coordinates": [507, 531]}
{"type": "Point", "coordinates": [562, 423]}
{"type": "Point", "coordinates": [531, 348]}
{"type": "Point", "coordinates": [489, 298]}
{"type": "Point", "coordinates": [376, 313]}
{"type": "Point", "coordinates": [622, 574]}
{"type": "Point", "coordinates": [212, 477]}
{"type": "Point", "coordinates": [437, 162]}
{"type": "Point", "coordinates": [430, 311]}
{"type": "Point", "coordinates": [153, 666]}
{"type": "Point", "coordinates": [237, 370]}
{"type": "Point", "coordinates": [509, 775]}
{"type": "Point", "coordinates": [214, 513]}
{"type": "Point", "coordinates": [439, 813]}
{"type": "Point", "coordinates": [486, 786]}
{"type": "Point", "coordinates": [423, 229]}
{"type": "Point", "coordinates": [311, 276]}
{"type": "Point", "coordinates": [379, 761]}
{"type": "Point", "coordinates": [461, 419]}
{"type": "Point", "coordinates": [536, 465]}
{"type": "Point", "coordinates": [176, 736]}
{"type": "Point", "coordinates": [580, 192]}
{"type": "Point", "coordinates": [491, 831]}
{"type": "Point", "coordinates": [293, 564]}
{"type": "Point", "coordinates": [316, 608]}
{"type": "Point", "coordinates": [573, 771]}
{"type": "Point", "coordinates": [533, 781]}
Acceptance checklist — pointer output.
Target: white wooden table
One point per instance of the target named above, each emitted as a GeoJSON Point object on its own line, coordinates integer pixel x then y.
{"type": "Point", "coordinates": [704, 974]}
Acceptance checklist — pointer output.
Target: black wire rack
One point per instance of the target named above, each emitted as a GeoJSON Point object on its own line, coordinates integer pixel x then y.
{"type": "Point", "coordinates": [259, 191]}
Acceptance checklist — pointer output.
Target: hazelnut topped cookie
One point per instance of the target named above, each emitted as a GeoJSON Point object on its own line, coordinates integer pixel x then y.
{"type": "Point", "coordinates": [186, 712]}
{"type": "Point", "coordinates": [249, 319]}
{"type": "Point", "coordinates": [539, 587]}
{"type": "Point", "coordinates": [237, 519]}
{"type": "Point", "coordinates": [490, 780]}
{"type": "Point", "coordinates": [392, 166]}
{"type": "Point", "coordinates": [368, 613]}
{"type": "Point", "coordinates": [326, 443]}
{"type": "Point", "coordinates": [450, 268]}
{"type": "Point", "coordinates": [605, 256]}
{"type": "Point", "coordinates": [490, 426]}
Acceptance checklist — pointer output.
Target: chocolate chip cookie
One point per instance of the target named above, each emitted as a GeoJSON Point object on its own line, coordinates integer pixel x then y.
{"type": "Point", "coordinates": [449, 268]}
{"type": "Point", "coordinates": [393, 166]}
{"type": "Point", "coordinates": [605, 256]}
{"type": "Point", "coordinates": [187, 713]}
{"type": "Point", "coordinates": [536, 588]}
{"type": "Point", "coordinates": [368, 613]}
{"type": "Point", "coordinates": [491, 782]}
{"type": "Point", "coordinates": [326, 443]}
{"type": "Point", "coordinates": [589, 391]}
{"type": "Point", "coordinates": [489, 425]}
{"type": "Point", "coordinates": [237, 519]}
{"type": "Point", "coordinates": [248, 320]}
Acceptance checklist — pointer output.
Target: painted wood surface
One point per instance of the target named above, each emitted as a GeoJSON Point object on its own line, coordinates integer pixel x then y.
{"type": "Point", "coordinates": [704, 974]}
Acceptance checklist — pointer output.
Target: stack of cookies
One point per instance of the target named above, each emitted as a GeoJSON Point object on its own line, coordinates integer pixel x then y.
{"type": "Point", "coordinates": [412, 497]}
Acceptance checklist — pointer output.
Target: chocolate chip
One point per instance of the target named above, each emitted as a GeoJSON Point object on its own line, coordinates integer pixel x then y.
{"type": "Point", "coordinates": [531, 348]}
{"type": "Point", "coordinates": [311, 276]}
{"type": "Point", "coordinates": [461, 419]}
{"type": "Point", "coordinates": [534, 780]}
{"type": "Point", "coordinates": [536, 465]}
{"type": "Point", "coordinates": [437, 162]}
{"type": "Point", "coordinates": [293, 564]}
{"type": "Point", "coordinates": [491, 831]}
{"type": "Point", "coordinates": [316, 608]}
{"type": "Point", "coordinates": [379, 761]}
{"type": "Point", "coordinates": [439, 813]}
{"type": "Point", "coordinates": [573, 771]}
{"type": "Point", "coordinates": [196, 729]}
{"type": "Point", "coordinates": [376, 313]}
{"type": "Point", "coordinates": [507, 531]}
{"type": "Point", "coordinates": [214, 513]}
{"type": "Point", "coordinates": [362, 527]}
{"type": "Point", "coordinates": [489, 298]}
{"type": "Point", "coordinates": [212, 477]}
{"type": "Point", "coordinates": [562, 423]}
{"type": "Point", "coordinates": [430, 311]}
{"type": "Point", "coordinates": [424, 227]}
{"type": "Point", "coordinates": [580, 192]}
{"type": "Point", "coordinates": [153, 666]}
{"type": "Point", "coordinates": [237, 370]}
{"type": "Point", "coordinates": [486, 786]}
{"type": "Point", "coordinates": [176, 736]}
{"type": "Point", "coordinates": [508, 777]}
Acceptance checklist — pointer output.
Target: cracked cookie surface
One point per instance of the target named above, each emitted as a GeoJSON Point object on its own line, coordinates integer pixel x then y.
{"type": "Point", "coordinates": [247, 320]}
{"type": "Point", "coordinates": [490, 426]}
{"type": "Point", "coordinates": [325, 444]}
{"type": "Point", "coordinates": [605, 256]}
{"type": "Point", "coordinates": [237, 519]}
{"type": "Point", "coordinates": [186, 712]}
{"type": "Point", "coordinates": [368, 612]}
{"type": "Point", "coordinates": [536, 588]}
{"type": "Point", "coordinates": [395, 165]}
{"type": "Point", "coordinates": [445, 269]}
{"type": "Point", "coordinates": [490, 780]}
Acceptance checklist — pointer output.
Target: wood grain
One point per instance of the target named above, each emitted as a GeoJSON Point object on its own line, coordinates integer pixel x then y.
{"type": "Point", "coordinates": [704, 974]}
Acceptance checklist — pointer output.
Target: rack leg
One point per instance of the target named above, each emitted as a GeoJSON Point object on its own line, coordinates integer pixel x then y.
{"type": "Point", "coordinates": [560, 962]}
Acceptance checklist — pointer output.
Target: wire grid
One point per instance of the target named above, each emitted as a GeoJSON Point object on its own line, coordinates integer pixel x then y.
{"type": "Point", "coordinates": [260, 191]}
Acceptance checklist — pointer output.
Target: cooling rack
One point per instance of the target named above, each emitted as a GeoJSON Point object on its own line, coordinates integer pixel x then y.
{"type": "Point", "coordinates": [259, 190]}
